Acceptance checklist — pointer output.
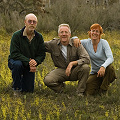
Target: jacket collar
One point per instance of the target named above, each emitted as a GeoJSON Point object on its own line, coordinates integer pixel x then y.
{"type": "Point", "coordinates": [70, 42]}
{"type": "Point", "coordinates": [35, 32]}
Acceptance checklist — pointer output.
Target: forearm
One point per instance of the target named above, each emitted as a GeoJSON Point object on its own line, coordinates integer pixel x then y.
{"type": "Point", "coordinates": [74, 63]}
{"type": "Point", "coordinates": [107, 62]}
{"type": "Point", "coordinates": [69, 67]}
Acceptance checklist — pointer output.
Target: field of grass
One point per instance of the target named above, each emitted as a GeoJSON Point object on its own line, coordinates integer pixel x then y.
{"type": "Point", "coordinates": [44, 104]}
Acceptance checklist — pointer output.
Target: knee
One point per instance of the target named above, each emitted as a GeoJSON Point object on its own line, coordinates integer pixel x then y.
{"type": "Point", "coordinates": [47, 80]}
{"type": "Point", "coordinates": [17, 64]}
{"type": "Point", "coordinates": [109, 68]}
{"type": "Point", "coordinates": [85, 68]}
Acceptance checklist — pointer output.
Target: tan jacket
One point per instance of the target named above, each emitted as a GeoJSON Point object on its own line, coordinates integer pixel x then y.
{"type": "Point", "coordinates": [73, 54]}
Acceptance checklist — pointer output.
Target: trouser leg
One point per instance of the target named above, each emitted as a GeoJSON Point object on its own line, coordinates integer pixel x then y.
{"type": "Point", "coordinates": [93, 84]}
{"type": "Point", "coordinates": [16, 67]}
{"type": "Point", "coordinates": [22, 78]}
{"type": "Point", "coordinates": [81, 74]}
{"type": "Point", "coordinates": [28, 81]}
{"type": "Point", "coordinates": [55, 79]}
{"type": "Point", "coordinates": [108, 78]}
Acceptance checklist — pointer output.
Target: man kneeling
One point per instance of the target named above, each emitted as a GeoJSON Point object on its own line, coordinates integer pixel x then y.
{"type": "Point", "coordinates": [72, 63]}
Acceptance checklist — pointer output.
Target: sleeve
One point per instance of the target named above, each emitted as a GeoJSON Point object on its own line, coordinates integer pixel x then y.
{"type": "Point", "coordinates": [108, 54]}
{"type": "Point", "coordinates": [48, 45]}
{"type": "Point", "coordinates": [83, 56]}
{"type": "Point", "coordinates": [74, 37]}
{"type": "Point", "coordinates": [15, 50]}
{"type": "Point", "coordinates": [40, 56]}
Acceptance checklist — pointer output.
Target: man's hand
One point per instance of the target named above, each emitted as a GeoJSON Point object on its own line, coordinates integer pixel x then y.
{"type": "Point", "coordinates": [32, 62]}
{"type": "Point", "coordinates": [101, 72]}
{"type": "Point", "coordinates": [76, 42]}
{"type": "Point", "coordinates": [32, 65]}
{"type": "Point", "coordinates": [68, 69]}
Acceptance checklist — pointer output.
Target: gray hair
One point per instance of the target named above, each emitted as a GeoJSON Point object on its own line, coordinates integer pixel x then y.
{"type": "Point", "coordinates": [63, 25]}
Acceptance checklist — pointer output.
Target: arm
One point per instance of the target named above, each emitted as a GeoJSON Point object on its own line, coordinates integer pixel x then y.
{"type": "Point", "coordinates": [48, 45]}
{"type": "Point", "coordinates": [83, 59]}
{"type": "Point", "coordinates": [68, 69]}
{"type": "Point", "coordinates": [40, 54]}
{"type": "Point", "coordinates": [108, 54]}
{"type": "Point", "coordinates": [83, 56]}
{"type": "Point", "coordinates": [108, 61]}
{"type": "Point", "coordinates": [15, 50]}
{"type": "Point", "coordinates": [76, 41]}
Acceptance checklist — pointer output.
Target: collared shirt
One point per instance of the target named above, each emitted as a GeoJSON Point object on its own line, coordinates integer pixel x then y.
{"type": "Point", "coordinates": [102, 57]}
{"type": "Point", "coordinates": [64, 51]}
{"type": "Point", "coordinates": [73, 54]}
{"type": "Point", "coordinates": [25, 34]}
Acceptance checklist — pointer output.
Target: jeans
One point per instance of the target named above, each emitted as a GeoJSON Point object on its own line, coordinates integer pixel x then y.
{"type": "Point", "coordinates": [23, 80]}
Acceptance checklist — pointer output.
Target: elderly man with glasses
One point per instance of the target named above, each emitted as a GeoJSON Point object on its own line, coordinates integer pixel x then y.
{"type": "Point", "coordinates": [27, 51]}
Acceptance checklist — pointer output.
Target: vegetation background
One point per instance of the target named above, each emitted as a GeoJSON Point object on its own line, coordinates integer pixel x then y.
{"type": "Point", "coordinates": [44, 104]}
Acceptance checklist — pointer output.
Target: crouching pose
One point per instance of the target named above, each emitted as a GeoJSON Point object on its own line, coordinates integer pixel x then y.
{"type": "Point", "coordinates": [27, 51]}
{"type": "Point", "coordinates": [72, 63]}
{"type": "Point", "coordinates": [102, 72]}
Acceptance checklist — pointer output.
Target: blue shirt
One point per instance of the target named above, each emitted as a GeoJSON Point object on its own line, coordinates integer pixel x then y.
{"type": "Point", "coordinates": [102, 57]}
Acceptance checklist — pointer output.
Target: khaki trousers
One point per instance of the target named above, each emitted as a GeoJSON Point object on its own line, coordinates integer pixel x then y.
{"type": "Point", "coordinates": [55, 78]}
{"type": "Point", "coordinates": [94, 83]}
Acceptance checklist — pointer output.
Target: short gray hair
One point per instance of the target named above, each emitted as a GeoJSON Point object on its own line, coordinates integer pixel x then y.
{"type": "Point", "coordinates": [63, 25]}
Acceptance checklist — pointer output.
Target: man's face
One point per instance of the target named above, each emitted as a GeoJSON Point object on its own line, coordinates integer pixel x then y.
{"type": "Point", "coordinates": [31, 22]}
{"type": "Point", "coordinates": [95, 34]}
{"type": "Point", "coordinates": [64, 35]}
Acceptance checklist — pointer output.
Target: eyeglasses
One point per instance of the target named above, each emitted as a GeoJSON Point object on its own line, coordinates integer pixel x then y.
{"type": "Point", "coordinates": [32, 21]}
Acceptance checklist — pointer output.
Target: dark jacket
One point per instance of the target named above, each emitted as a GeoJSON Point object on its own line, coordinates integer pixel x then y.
{"type": "Point", "coordinates": [21, 49]}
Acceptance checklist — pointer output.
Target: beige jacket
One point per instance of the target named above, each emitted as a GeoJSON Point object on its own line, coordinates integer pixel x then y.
{"type": "Point", "coordinates": [73, 54]}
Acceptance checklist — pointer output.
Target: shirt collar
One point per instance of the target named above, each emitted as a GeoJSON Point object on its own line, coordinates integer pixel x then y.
{"type": "Point", "coordinates": [25, 34]}
{"type": "Point", "coordinates": [70, 42]}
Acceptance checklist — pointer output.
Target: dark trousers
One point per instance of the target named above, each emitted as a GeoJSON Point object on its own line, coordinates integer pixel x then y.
{"type": "Point", "coordinates": [22, 79]}
{"type": "Point", "coordinates": [94, 83]}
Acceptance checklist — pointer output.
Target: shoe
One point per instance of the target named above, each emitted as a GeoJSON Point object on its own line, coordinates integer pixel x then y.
{"type": "Point", "coordinates": [17, 93]}
{"type": "Point", "coordinates": [61, 88]}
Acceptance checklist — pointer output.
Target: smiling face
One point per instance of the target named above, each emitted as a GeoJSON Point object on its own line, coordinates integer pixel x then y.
{"type": "Point", "coordinates": [95, 33]}
{"type": "Point", "coordinates": [30, 22]}
{"type": "Point", "coordinates": [64, 35]}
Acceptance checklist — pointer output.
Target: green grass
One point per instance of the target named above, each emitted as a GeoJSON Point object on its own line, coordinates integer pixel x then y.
{"type": "Point", "coordinates": [44, 104]}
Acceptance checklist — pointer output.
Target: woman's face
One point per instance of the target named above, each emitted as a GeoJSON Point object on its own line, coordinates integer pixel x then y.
{"type": "Point", "coordinates": [95, 34]}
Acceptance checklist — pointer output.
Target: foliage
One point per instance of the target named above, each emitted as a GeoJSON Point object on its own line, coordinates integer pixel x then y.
{"type": "Point", "coordinates": [44, 104]}
{"type": "Point", "coordinates": [76, 13]}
